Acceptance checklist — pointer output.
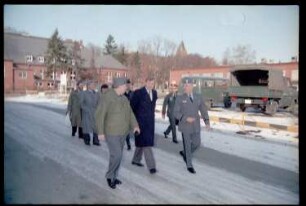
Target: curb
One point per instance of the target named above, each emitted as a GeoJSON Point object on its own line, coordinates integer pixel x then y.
{"type": "Point", "coordinates": [292, 128]}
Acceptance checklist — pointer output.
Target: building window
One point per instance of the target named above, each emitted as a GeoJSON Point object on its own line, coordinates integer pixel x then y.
{"type": "Point", "coordinates": [39, 84]}
{"type": "Point", "coordinates": [29, 58]}
{"type": "Point", "coordinates": [50, 84]}
{"type": "Point", "coordinates": [41, 59]}
{"type": "Point", "coordinates": [23, 74]}
{"type": "Point", "coordinates": [72, 62]}
{"type": "Point", "coordinates": [125, 74]}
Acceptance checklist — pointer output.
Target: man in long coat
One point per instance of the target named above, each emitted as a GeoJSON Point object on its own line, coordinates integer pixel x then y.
{"type": "Point", "coordinates": [143, 103]}
{"type": "Point", "coordinates": [114, 120]}
{"type": "Point", "coordinates": [74, 110]}
{"type": "Point", "coordinates": [89, 103]}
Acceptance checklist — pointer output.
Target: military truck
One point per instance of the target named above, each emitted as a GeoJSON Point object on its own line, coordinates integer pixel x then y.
{"type": "Point", "coordinates": [213, 89]}
{"type": "Point", "coordinates": [261, 87]}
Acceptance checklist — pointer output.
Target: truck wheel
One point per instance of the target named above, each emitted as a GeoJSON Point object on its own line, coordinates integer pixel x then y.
{"type": "Point", "coordinates": [272, 108]}
{"type": "Point", "coordinates": [242, 107]}
{"type": "Point", "coordinates": [227, 104]}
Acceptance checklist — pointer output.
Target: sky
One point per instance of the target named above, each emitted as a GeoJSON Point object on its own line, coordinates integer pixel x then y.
{"type": "Point", "coordinates": [272, 31]}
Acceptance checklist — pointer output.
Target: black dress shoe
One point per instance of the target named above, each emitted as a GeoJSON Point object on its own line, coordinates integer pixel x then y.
{"type": "Point", "coordinates": [190, 169]}
{"type": "Point", "coordinates": [165, 135]}
{"type": "Point", "coordinates": [138, 164]}
{"type": "Point", "coordinates": [118, 182]}
{"type": "Point", "coordinates": [175, 141]}
{"type": "Point", "coordinates": [182, 154]}
{"type": "Point", "coordinates": [96, 143]}
{"type": "Point", "coordinates": [87, 143]}
{"type": "Point", "coordinates": [152, 171]}
{"type": "Point", "coordinates": [111, 184]}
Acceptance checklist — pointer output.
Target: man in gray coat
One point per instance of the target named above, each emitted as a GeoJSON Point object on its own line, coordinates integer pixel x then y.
{"type": "Point", "coordinates": [186, 110]}
{"type": "Point", "coordinates": [168, 105]}
{"type": "Point", "coordinates": [89, 102]}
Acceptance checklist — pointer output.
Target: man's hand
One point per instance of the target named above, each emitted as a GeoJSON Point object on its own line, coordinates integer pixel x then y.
{"type": "Point", "coordinates": [208, 128]}
{"type": "Point", "coordinates": [101, 137]}
{"type": "Point", "coordinates": [190, 119]}
{"type": "Point", "coordinates": [136, 129]}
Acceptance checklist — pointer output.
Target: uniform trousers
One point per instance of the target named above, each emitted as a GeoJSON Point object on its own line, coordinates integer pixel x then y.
{"type": "Point", "coordinates": [191, 142]}
{"type": "Point", "coordinates": [115, 146]}
{"type": "Point", "coordinates": [148, 154]}
{"type": "Point", "coordinates": [171, 127]}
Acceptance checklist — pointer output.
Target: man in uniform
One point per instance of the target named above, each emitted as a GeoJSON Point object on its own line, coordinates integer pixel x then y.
{"type": "Point", "coordinates": [89, 103]}
{"type": "Point", "coordinates": [114, 120]}
{"type": "Point", "coordinates": [168, 103]}
{"type": "Point", "coordinates": [186, 110]}
{"type": "Point", "coordinates": [74, 110]}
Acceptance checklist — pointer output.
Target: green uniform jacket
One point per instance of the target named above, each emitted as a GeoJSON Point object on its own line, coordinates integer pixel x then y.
{"type": "Point", "coordinates": [114, 116]}
{"type": "Point", "coordinates": [74, 109]}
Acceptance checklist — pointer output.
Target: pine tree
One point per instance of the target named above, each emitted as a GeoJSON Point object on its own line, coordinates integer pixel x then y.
{"type": "Point", "coordinates": [56, 55]}
{"type": "Point", "coordinates": [110, 47]}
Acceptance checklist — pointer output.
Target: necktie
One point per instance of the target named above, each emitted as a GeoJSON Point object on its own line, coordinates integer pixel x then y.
{"type": "Point", "coordinates": [190, 97]}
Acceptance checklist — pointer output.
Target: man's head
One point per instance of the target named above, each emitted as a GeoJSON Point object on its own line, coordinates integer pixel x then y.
{"type": "Point", "coordinates": [104, 88]}
{"type": "Point", "coordinates": [173, 86]}
{"type": "Point", "coordinates": [128, 84]}
{"type": "Point", "coordinates": [80, 85]}
{"type": "Point", "coordinates": [150, 83]}
{"type": "Point", "coordinates": [91, 85]}
{"type": "Point", "coordinates": [188, 85]}
{"type": "Point", "coordinates": [119, 84]}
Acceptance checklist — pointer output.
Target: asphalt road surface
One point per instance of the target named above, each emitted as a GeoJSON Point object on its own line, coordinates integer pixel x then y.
{"type": "Point", "coordinates": [44, 164]}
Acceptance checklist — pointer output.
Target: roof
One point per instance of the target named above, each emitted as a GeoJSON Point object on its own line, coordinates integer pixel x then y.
{"type": "Point", "coordinates": [251, 67]}
{"type": "Point", "coordinates": [17, 47]}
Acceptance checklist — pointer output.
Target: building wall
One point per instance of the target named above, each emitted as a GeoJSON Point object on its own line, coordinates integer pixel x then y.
{"type": "Point", "coordinates": [8, 76]}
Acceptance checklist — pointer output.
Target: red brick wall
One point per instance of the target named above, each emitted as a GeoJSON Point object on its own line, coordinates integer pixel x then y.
{"type": "Point", "coordinates": [8, 76]}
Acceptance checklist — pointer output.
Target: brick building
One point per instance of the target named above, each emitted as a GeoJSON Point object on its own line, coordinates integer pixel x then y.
{"type": "Point", "coordinates": [25, 69]}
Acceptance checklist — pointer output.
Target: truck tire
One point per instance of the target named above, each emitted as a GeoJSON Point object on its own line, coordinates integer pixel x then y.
{"type": "Point", "coordinates": [227, 104]}
{"type": "Point", "coordinates": [271, 108]}
{"type": "Point", "coordinates": [242, 107]}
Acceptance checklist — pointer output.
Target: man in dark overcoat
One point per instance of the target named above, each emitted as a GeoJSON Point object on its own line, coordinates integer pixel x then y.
{"type": "Point", "coordinates": [128, 93]}
{"type": "Point", "coordinates": [143, 103]}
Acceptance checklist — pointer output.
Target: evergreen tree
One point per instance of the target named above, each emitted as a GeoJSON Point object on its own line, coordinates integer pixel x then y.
{"type": "Point", "coordinates": [110, 47]}
{"type": "Point", "coordinates": [56, 55]}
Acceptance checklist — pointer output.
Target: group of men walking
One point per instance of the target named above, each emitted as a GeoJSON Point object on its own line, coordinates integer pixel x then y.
{"type": "Point", "coordinates": [114, 114]}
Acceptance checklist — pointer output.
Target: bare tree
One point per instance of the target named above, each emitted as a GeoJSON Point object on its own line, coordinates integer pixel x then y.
{"type": "Point", "coordinates": [241, 54]}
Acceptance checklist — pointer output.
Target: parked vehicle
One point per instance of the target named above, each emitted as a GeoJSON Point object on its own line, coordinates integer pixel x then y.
{"type": "Point", "coordinates": [214, 90]}
{"type": "Point", "coordinates": [261, 87]}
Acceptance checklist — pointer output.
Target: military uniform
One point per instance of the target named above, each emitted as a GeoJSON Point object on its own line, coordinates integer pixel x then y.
{"type": "Point", "coordinates": [89, 102]}
{"type": "Point", "coordinates": [115, 119]}
{"type": "Point", "coordinates": [168, 103]}
{"type": "Point", "coordinates": [74, 109]}
{"type": "Point", "coordinates": [186, 106]}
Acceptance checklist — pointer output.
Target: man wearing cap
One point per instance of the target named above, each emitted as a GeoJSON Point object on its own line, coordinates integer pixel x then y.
{"type": "Point", "coordinates": [186, 110]}
{"type": "Point", "coordinates": [143, 103]}
{"type": "Point", "coordinates": [114, 120]}
{"type": "Point", "coordinates": [89, 103]}
{"type": "Point", "coordinates": [74, 110]}
{"type": "Point", "coordinates": [168, 103]}
{"type": "Point", "coordinates": [128, 93]}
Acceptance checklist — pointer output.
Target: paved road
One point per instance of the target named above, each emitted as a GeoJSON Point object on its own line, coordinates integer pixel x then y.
{"type": "Point", "coordinates": [44, 164]}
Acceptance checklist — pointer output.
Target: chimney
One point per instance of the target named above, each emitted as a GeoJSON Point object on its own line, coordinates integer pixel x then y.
{"type": "Point", "coordinates": [294, 59]}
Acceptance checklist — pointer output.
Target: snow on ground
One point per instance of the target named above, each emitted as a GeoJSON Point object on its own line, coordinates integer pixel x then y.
{"type": "Point", "coordinates": [172, 184]}
{"type": "Point", "coordinates": [223, 138]}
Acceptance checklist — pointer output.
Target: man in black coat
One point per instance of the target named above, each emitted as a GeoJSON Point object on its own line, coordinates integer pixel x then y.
{"type": "Point", "coordinates": [143, 103]}
{"type": "Point", "coordinates": [128, 93]}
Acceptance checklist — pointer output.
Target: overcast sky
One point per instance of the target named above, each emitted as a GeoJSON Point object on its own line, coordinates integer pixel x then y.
{"type": "Point", "coordinates": [272, 31]}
